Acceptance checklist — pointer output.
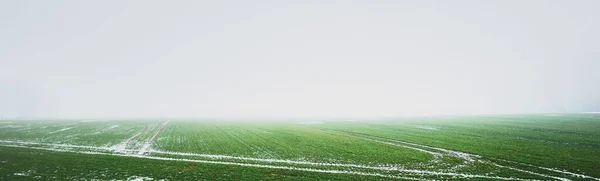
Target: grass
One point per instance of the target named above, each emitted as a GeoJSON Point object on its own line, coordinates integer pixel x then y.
{"type": "Point", "coordinates": [567, 142]}
{"type": "Point", "coordinates": [48, 165]}
{"type": "Point", "coordinates": [281, 141]}
{"type": "Point", "coordinates": [544, 147]}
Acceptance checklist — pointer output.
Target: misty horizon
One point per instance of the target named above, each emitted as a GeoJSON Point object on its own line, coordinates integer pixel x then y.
{"type": "Point", "coordinates": [128, 59]}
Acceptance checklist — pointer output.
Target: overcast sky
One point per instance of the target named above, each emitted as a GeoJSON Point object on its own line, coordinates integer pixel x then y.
{"type": "Point", "coordinates": [115, 58]}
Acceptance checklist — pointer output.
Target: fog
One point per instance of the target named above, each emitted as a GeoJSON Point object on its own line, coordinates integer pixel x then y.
{"type": "Point", "coordinates": [297, 58]}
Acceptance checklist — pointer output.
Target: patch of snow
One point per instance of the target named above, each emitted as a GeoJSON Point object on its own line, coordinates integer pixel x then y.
{"type": "Point", "coordinates": [11, 126]}
{"type": "Point", "coordinates": [121, 147]}
{"type": "Point", "coordinates": [21, 174]}
{"type": "Point", "coordinates": [106, 129]}
{"type": "Point", "coordinates": [140, 178]}
{"type": "Point", "coordinates": [556, 170]}
{"type": "Point", "coordinates": [268, 163]}
{"type": "Point", "coordinates": [148, 142]}
{"type": "Point", "coordinates": [61, 130]}
{"type": "Point", "coordinates": [24, 173]}
{"type": "Point", "coordinates": [391, 168]}
{"type": "Point", "coordinates": [24, 129]}
{"type": "Point", "coordinates": [427, 127]}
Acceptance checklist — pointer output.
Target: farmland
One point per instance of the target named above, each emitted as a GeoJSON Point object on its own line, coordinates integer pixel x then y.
{"type": "Point", "coordinates": [490, 147]}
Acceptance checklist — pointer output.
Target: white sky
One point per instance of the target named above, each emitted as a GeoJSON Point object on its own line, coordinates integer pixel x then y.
{"type": "Point", "coordinates": [115, 58]}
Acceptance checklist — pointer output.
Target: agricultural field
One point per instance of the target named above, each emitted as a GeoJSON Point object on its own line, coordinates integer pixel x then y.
{"type": "Point", "coordinates": [490, 147]}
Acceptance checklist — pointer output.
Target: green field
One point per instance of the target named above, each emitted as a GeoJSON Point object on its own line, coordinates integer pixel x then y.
{"type": "Point", "coordinates": [490, 147]}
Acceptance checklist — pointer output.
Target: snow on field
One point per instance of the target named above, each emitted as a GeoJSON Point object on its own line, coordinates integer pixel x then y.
{"type": "Point", "coordinates": [24, 173]}
{"type": "Point", "coordinates": [21, 174]}
{"type": "Point", "coordinates": [61, 130]}
{"type": "Point", "coordinates": [24, 129]}
{"type": "Point", "coordinates": [11, 126]}
{"type": "Point", "coordinates": [140, 178]}
{"type": "Point", "coordinates": [412, 171]}
{"type": "Point", "coordinates": [386, 171]}
{"type": "Point", "coordinates": [472, 158]}
{"type": "Point", "coordinates": [427, 127]}
{"type": "Point", "coordinates": [556, 170]}
{"type": "Point", "coordinates": [121, 147]}
{"type": "Point", "coordinates": [148, 142]}
{"type": "Point", "coordinates": [106, 129]}
{"type": "Point", "coordinates": [5, 122]}
{"type": "Point", "coordinates": [328, 170]}
{"type": "Point", "coordinates": [144, 148]}
{"type": "Point", "coordinates": [53, 145]}
{"type": "Point", "coordinates": [420, 147]}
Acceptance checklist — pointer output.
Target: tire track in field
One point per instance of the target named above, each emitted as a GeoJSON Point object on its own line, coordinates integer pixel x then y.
{"type": "Point", "coordinates": [452, 153]}
{"type": "Point", "coordinates": [65, 147]}
{"type": "Point", "coordinates": [469, 157]}
{"type": "Point", "coordinates": [551, 169]}
{"type": "Point", "coordinates": [149, 141]}
{"type": "Point", "coordinates": [419, 147]}
{"type": "Point", "coordinates": [121, 147]}
{"type": "Point", "coordinates": [321, 167]}
{"type": "Point", "coordinates": [412, 172]}
{"type": "Point", "coordinates": [420, 173]}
